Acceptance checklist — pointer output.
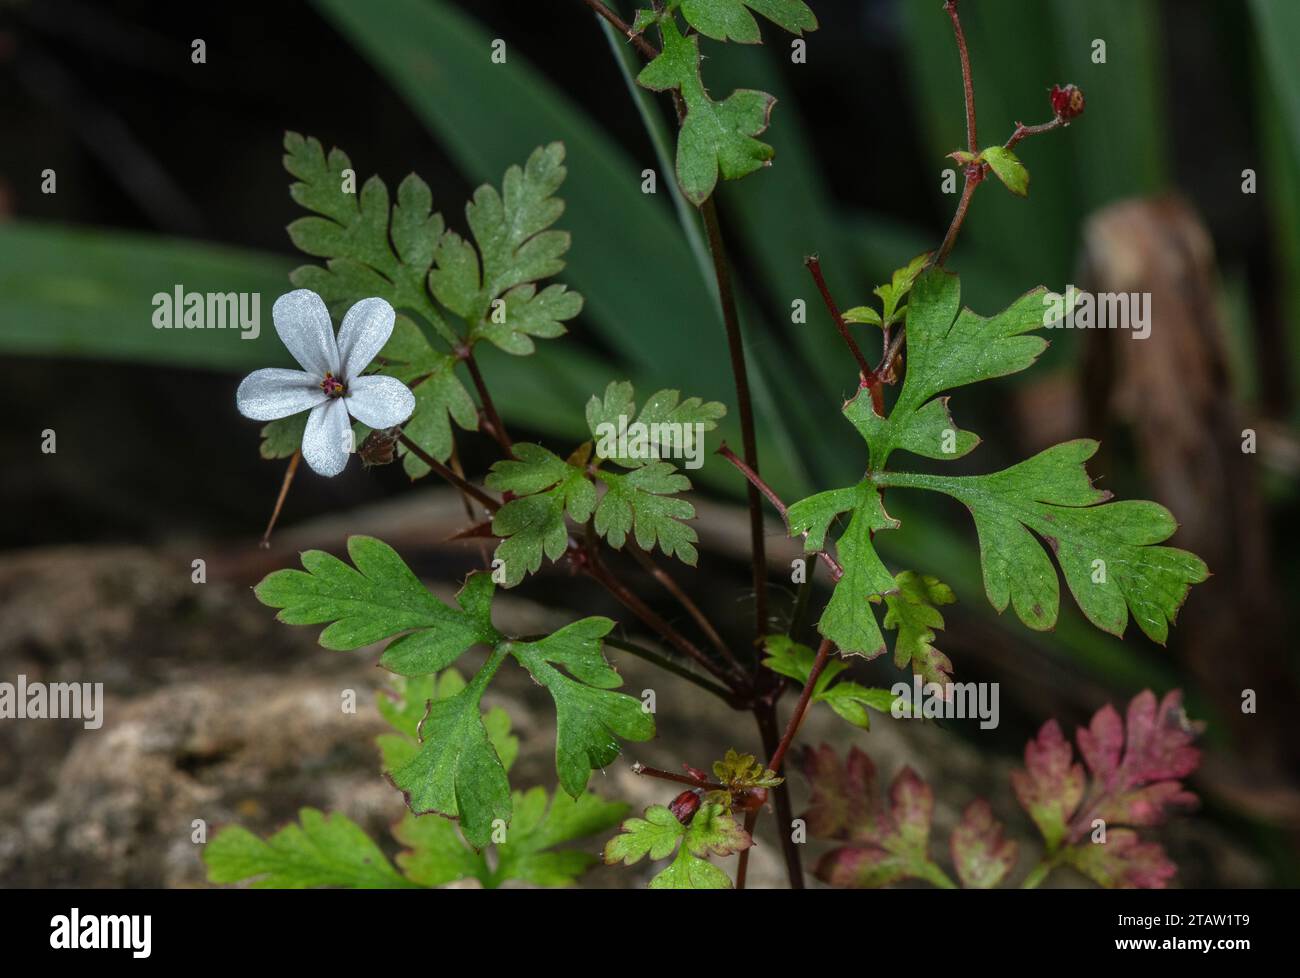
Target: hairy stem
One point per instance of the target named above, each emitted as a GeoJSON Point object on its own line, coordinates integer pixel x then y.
{"type": "Point", "coordinates": [736, 349]}
{"type": "Point", "coordinates": [623, 27]}
{"type": "Point", "coordinates": [756, 482]}
{"type": "Point", "coordinates": [485, 399]}
{"type": "Point", "coordinates": [672, 587]}
{"type": "Point", "coordinates": [654, 772]}
{"type": "Point", "coordinates": [967, 84]}
{"type": "Point", "coordinates": [668, 665]}
{"type": "Point", "coordinates": [600, 573]}
{"type": "Point", "coordinates": [864, 368]}
{"type": "Point", "coordinates": [464, 485]}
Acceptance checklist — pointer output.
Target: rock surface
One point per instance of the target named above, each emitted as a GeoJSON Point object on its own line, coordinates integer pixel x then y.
{"type": "Point", "coordinates": [215, 712]}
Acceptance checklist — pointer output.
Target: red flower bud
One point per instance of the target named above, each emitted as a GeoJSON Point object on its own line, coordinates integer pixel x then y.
{"type": "Point", "coordinates": [684, 806]}
{"type": "Point", "coordinates": [1067, 102]}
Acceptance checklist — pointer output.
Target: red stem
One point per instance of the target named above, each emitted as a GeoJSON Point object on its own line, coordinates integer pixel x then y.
{"type": "Point", "coordinates": [801, 707]}
{"type": "Point", "coordinates": [754, 480]}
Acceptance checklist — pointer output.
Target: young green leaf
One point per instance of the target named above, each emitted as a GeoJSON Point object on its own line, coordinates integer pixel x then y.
{"type": "Point", "coordinates": [891, 296]}
{"type": "Point", "coordinates": [849, 699]}
{"type": "Point", "coordinates": [318, 850]}
{"type": "Point", "coordinates": [711, 832]}
{"type": "Point", "coordinates": [667, 426]}
{"type": "Point", "coordinates": [715, 137]}
{"type": "Point", "coordinates": [863, 314]}
{"type": "Point", "coordinates": [1107, 553]}
{"type": "Point", "coordinates": [948, 347]}
{"type": "Point", "coordinates": [532, 524]}
{"type": "Point", "coordinates": [914, 611]}
{"type": "Point", "coordinates": [741, 771]}
{"type": "Point", "coordinates": [1009, 169]}
{"type": "Point", "coordinates": [643, 503]}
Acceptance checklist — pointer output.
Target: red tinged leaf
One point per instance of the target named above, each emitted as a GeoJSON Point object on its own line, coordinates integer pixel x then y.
{"type": "Point", "coordinates": [885, 845]}
{"type": "Point", "coordinates": [1051, 786]}
{"type": "Point", "coordinates": [982, 856]}
{"type": "Point", "coordinates": [1134, 767]}
{"type": "Point", "coordinates": [1123, 862]}
{"type": "Point", "coordinates": [841, 791]}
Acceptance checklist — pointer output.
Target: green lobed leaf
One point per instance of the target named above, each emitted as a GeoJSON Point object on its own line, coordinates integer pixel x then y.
{"type": "Point", "coordinates": [370, 251]}
{"type": "Point", "coordinates": [588, 714]}
{"type": "Point", "coordinates": [848, 619]}
{"type": "Point", "coordinates": [661, 430]}
{"type": "Point", "coordinates": [731, 20]}
{"type": "Point", "coordinates": [948, 347]}
{"type": "Point", "coordinates": [494, 288]}
{"type": "Point", "coordinates": [643, 502]}
{"type": "Point", "coordinates": [1106, 552]}
{"type": "Point", "coordinates": [715, 137]}
{"type": "Point", "coordinates": [457, 773]}
{"type": "Point", "coordinates": [318, 850]}
{"type": "Point", "coordinates": [436, 855]}
{"type": "Point", "coordinates": [378, 598]}
{"type": "Point", "coordinates": [283, 437]}
{"type": "Point", "coordinates": [532, 525]}
{"type": "Point", "coordinates": [711, 832]}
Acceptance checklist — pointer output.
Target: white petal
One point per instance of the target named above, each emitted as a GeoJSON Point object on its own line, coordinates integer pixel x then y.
{"type": "Point", "coordinates": [366, 328]}
{"type": "Point", "coordinates": [304, 326]}
{"type": "Point", "coordinates": [379, 401]}
{"type": "Point", "coordinates": [265, 395]}
{"type": "Point", "coordinates": [328, 438]}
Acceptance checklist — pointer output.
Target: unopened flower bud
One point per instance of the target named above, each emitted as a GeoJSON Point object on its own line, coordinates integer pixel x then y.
{"type": "Point", "coordinates": [684, 806]}
{"type": "Point", "coordinates": [1067, 102]}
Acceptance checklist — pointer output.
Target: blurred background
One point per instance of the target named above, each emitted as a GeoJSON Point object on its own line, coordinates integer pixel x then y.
{"type": "Point", "coordinates": [1182, 179]}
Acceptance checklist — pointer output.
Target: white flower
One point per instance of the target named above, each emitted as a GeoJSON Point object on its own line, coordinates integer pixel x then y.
{"type": "Point", "coordinates": [330, 385]}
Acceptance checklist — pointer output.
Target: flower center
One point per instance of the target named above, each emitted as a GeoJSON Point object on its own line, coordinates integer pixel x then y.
{"type": "Point", "coordinates": [332, 386]}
